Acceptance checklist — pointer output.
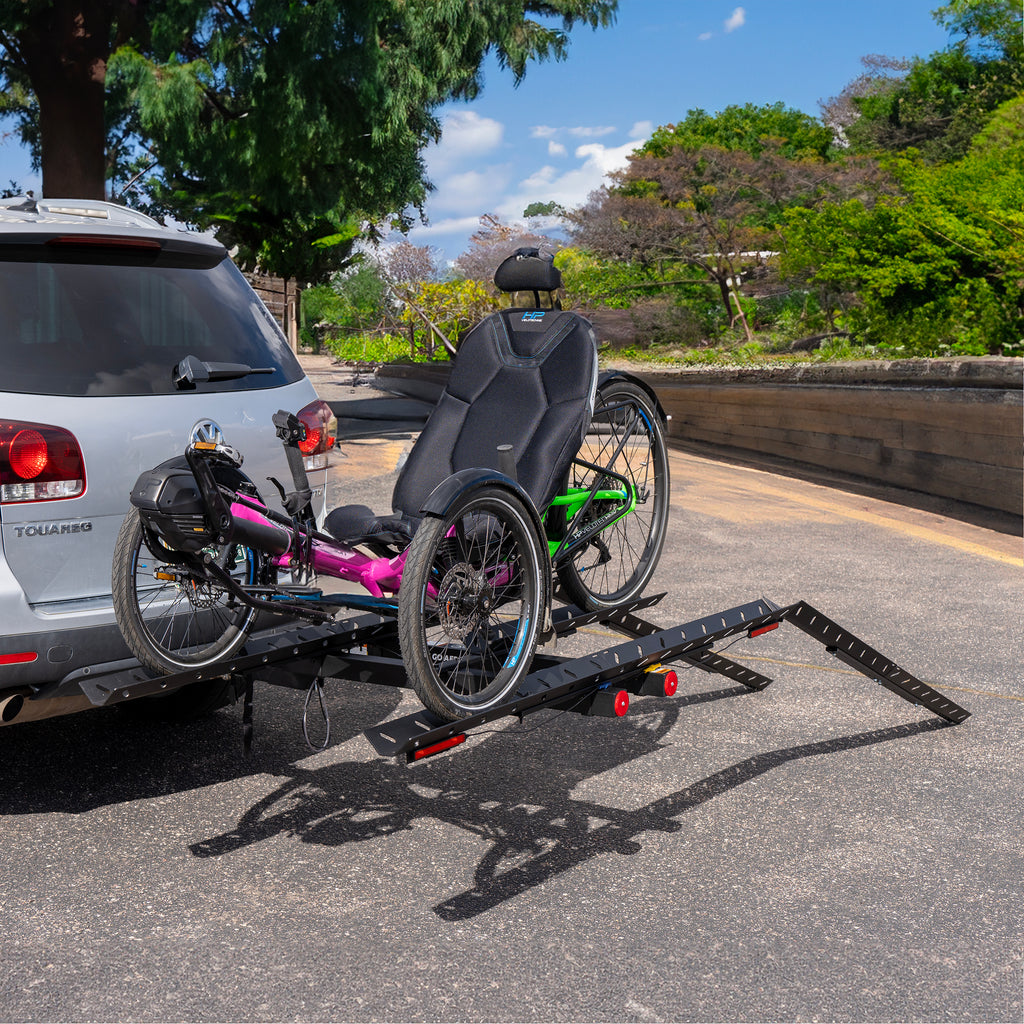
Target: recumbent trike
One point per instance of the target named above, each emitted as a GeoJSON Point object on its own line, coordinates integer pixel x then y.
{"type": "Point", "coordinates": [530, 467]}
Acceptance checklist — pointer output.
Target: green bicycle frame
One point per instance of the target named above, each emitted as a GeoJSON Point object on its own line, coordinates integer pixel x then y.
{"type": "Point", "coordinates": [574, 500]}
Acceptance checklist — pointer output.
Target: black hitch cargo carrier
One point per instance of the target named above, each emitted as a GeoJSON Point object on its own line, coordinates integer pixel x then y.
{"type": "Point", "coordinates": [600, 683]}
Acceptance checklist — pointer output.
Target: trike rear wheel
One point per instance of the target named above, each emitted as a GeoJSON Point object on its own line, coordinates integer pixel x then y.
{"type": "Point", "coordinates": [617, 565]}
{"type": "Point", "coordinates": [471, 603]}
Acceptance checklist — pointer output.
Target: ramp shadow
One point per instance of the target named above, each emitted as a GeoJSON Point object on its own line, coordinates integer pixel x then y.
{"type": "Point", "coordinates": [535, 831]}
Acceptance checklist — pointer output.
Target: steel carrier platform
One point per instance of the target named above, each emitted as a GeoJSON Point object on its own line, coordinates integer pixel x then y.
{"type": "Point", "coordinates": [594, 684]}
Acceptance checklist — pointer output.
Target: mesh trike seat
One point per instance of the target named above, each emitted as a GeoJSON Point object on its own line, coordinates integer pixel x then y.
{"type": "Point", "coordinates": [524, 376]}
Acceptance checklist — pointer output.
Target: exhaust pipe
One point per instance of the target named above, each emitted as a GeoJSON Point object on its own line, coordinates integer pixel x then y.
{"type": "Point", "coordinates": [10, 707]}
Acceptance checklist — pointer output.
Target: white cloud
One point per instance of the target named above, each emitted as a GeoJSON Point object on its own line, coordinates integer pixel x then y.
{"type": "Point", "coordinates": [736, 20]}
{"type": "Point", "coordinates": [607, 160]}
{"type": "Point", "coordinates": [543, 131]}
{"type": "Point", "coordinates": [464, 135]}
{"type": "Point", "coordinates": [540, 178]}
{"type": "Point", "coordinates": [705, 36]}
{"type": "Point", "coordinates": [469, 192]}
{"type": "Point", "coordinates": [588, 132]}
{"type": "Point", "coordinates": [475, 187]}
{"type": "Point", "coordinates": [446, 226]}
{"type": "Point", "coordinates": [568, 187]}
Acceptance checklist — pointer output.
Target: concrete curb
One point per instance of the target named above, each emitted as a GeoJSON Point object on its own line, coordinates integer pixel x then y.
{"type": "Point", "coordinates": [952, 428]}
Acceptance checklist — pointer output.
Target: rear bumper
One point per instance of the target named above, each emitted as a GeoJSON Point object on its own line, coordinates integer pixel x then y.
{"type": "Point", "coordinates": [48, 656]}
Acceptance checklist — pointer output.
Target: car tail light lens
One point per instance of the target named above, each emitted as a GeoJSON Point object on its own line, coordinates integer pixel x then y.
{"type": "Point", "coordinates": [39, 463]}
{"type": "Point", "coordinates": [321, 427]}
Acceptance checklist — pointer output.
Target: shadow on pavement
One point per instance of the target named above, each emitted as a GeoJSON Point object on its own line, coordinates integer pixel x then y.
{"type": "Point", "coordinates": [514, 792]}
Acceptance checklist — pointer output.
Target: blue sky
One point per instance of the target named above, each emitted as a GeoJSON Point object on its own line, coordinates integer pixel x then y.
{"type": "Point", "coordinates": [570, 123]}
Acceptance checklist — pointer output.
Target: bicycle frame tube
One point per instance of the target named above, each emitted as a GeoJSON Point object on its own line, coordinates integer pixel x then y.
{"type": "Point", "coordinates": [576, 497]}
{"type": "Point", "coordinates": [578, 500]}
{"type": "Point", "coordinates": [376, 575]}
{"type": "Point", "coordinates": [327, 558]}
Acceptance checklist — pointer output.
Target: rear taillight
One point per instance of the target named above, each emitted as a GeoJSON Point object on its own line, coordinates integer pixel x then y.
{"type": "Point", "coordinates": [321, 426]}
{"type": "Point", "coordinates": [39, 463]}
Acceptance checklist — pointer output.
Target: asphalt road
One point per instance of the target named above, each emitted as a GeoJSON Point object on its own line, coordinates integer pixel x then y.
{"type": "Point", "coordinates": [821, 850]}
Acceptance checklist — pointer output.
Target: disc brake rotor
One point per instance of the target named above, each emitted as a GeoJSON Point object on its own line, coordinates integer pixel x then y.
{"type": "Point", "coordinates": [463, 598]}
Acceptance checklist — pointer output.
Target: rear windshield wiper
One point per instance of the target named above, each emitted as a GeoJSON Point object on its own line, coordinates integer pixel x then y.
{"type": "Point", "coordinates": [192, 371]}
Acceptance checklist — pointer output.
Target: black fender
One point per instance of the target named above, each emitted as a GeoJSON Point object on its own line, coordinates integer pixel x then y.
{"type": "Point", "coordinates": [465, 481]}
{"type": "Point", "coordinates": [610, 375]}
{"type": "Point", "coordinates": [462, 484]}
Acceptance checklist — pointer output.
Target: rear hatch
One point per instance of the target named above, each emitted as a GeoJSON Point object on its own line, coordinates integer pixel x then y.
{"type": "Point", "coordinates": [93, 329]}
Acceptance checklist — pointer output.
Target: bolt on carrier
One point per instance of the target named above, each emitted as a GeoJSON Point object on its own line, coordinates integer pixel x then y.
{"type": "Point", "coordinates": [594, 684]}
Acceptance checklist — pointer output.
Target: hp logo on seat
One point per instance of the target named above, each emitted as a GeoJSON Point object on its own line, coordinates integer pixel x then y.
{"type": "Point", "coordinates": [533, 316]}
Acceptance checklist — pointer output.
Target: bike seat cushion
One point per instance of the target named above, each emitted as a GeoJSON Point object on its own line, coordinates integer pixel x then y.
{"type": "Point", "coordinates": [524, 377]}
{"type": "Point", "coordinates": [357, 524]}
{"type": "Point", "coordinates": [528, 270]}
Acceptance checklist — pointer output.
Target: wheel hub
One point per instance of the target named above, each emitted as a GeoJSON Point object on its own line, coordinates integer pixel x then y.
{"type": "Point", "coordinates": [463, 599]}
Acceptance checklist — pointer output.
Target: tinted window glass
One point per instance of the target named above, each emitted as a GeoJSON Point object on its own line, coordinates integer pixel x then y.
{"type": "Point", "coordinates": [92, 328]}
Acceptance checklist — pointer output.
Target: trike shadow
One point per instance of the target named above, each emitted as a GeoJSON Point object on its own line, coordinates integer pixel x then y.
{"type": "Point", "coordinates": [536, 831]}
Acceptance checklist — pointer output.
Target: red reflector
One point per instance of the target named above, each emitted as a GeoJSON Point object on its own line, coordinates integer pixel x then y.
{"type": "Point", "coordinates": [18, 659]}
{"type": "Point", "coordinates": [310, 443]}
{"type": "Point", "coordinates": [436, 748]}
{"type": "Point", "coordinates": [671, 683]}
{"type": "Point", "coordinates": [621, 703]}
{"type": "Point", "coordinates": [764, 629]}
{"type": "Point", "coordinates": [320, 424]}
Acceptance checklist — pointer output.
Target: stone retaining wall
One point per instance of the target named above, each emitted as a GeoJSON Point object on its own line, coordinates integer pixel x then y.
{"type": "Point", "coordinates": [952, 428]}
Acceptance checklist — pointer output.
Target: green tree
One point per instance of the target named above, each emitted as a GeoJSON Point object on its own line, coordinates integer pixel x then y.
{"type": "Point", "coordinates": [447, 309]}
{"type": "Point", "coordinates": [714, 209]}
{"type": "Point", "coordinates": [707, 196]}
{"type": "Point", "coordinates": [250, 113]}
{"type": "Point", "coordinates": [943, 101]}
{"type": "Point", "coordinates": [939, 267]}
{"type": "Point", "coordinates": [749, 129]}
{"type": "Point", "coordinates": [356, 301]}
{"type": "Point", "coordinates": [53, 66]}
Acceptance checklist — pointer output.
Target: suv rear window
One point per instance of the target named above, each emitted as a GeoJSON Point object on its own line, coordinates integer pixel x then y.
{"type": "Point", "coordinates": [119, 327]}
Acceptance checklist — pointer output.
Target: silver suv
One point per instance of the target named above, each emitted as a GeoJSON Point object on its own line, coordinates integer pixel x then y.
{"type": "Point", "coordinates": [99, 305]}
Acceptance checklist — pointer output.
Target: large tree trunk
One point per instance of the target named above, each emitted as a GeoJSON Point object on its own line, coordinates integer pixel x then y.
{"type": "Point", "coordinates": [65, 49]}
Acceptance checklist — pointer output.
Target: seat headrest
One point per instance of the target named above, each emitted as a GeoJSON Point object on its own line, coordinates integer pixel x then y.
{"type": "Point", "coordinates": [528, 270]}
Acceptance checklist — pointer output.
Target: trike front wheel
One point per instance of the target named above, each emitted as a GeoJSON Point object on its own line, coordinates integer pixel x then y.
{"type": "Point", "coordinates": [471, 603]}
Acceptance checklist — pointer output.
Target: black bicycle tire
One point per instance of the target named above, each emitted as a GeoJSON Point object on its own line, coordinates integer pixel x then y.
{"type": "Point", "coordinates": [159, 658]}
{"type": "Point", "coordinates": [414, 606]}
{"type": "Point", "coordinates": [587, 595]}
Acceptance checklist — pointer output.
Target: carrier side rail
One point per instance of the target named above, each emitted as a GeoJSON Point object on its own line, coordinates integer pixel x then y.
{"type": "Point", "coordinates": [624, 664]}
{"type": "Point", "coordinates": [261, 651]}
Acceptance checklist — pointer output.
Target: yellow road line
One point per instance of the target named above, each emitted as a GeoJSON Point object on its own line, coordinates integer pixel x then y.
{"type": "Point", "coordinates": [800, 496]}
{"type": "Point", "coordinates": [887, 522]}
